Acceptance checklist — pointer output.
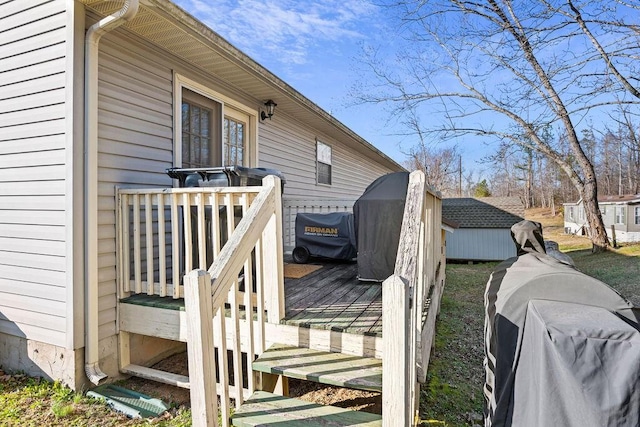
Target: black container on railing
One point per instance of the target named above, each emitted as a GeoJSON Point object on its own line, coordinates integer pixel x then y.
{"type": "Point", "coordinates": [222, 176]}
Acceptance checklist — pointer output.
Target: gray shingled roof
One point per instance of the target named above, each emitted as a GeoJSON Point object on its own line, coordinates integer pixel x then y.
{"type": "Point", "coordinates": [484, 212]}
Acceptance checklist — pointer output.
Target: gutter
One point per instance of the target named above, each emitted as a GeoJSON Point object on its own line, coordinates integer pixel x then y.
{"type": "Point", "coordinates": [92, 39]}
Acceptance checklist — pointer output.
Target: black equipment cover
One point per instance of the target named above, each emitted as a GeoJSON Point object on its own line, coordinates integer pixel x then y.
{"type": "Point", "coordinates": [328, 235]}
{"type": "Point", "coordinates": [378, 218]}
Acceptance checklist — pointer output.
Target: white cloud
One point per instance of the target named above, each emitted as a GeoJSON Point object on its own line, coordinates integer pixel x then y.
{"type": "Point", "coordinates": [286, 30]}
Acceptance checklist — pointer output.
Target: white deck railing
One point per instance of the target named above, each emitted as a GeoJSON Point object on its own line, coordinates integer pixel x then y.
{"type": "Point", "coordinates": [292, 207]}
{"type": "Point", "coordinates": [411, 299]}
{"type": "Point", "coordinates": [217, 310]}
{"type": "Point", "coordinates": [165, 233]}
{"type": "Point", "coordinates": [260, 231]}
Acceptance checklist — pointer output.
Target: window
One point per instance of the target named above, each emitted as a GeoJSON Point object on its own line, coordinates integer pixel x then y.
{"type": "Point", "coordinates": [571, 213]}
{"type": "Point", "coordinates": [580, 213]}
{"type": "Point", "coordinates": [200, 131]}
{"type": "Point", "coordinates": [234, 142]}
{"type": "Point", "coordinates": [603, 210]}
{"type": "Point", "coordinates": [211, 129]}
{"type": "Point", "coordinates": [637, 211]}
{"type": "Point", "coordinates": [620, 214]}
{"type": "Point", "coordinates": [323, 163]}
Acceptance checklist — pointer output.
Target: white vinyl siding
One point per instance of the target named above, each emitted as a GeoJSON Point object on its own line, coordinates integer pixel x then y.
{"type": "Point", "coordinates": [33, 277]}
{"type": "Point", "coordinates": [135, 145]}
{"type": "Point", "coordinates": [288, 146]}
{"type": "Point", "coordinates": [482, 244]}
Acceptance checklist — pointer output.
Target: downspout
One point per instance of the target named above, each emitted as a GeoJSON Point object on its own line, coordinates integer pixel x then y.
{"type": "Point", "coordinates": [92, 38]}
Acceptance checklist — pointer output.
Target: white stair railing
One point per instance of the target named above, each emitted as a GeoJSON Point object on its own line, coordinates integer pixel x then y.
{"type": "Point", "coordinates": [208, 316]}
{"type": "Point", "coordinates": [416, 284]}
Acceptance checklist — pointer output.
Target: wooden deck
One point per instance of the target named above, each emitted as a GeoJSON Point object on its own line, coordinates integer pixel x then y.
{"type": "Point", "coordinates": [330, 298]}
{"type": "Point", "coordinates": [333, 298]}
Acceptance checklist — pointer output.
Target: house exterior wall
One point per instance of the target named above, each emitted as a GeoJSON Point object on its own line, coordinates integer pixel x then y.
{"type": "Point", "coordinates": [481, 244]}
{"type": "Point", "coordinates": [135, 133]}
{"type": "Point", "coordinates": [627, 231]}
{"type": "Point", "coordinates": [34, 154]}
{"type": "Point", "coordinates": [290, 147]}
{"type": "Point", "coordinates": [634, 218]}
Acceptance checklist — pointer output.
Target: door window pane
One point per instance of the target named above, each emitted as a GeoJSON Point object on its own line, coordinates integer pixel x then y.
{"type": "Point", "coordinates": [234, 142]}
{"type": "Point", "coordinates": [200, 147]}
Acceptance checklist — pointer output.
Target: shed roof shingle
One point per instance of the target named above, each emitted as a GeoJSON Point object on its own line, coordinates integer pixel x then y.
{"type": "Point", "coordinates": [485, 212]}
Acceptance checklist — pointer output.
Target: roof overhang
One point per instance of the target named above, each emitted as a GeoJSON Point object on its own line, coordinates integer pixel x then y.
{"type": "Point", "coordinates": [172, 29]}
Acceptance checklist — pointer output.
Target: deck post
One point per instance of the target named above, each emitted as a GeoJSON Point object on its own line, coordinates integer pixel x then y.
{"type": "Point", "coordinates": [273, 255]}
{"type": "Point", "coordinates": [199, 311]}
{"type": "Point", "coordinates": [396, 361]}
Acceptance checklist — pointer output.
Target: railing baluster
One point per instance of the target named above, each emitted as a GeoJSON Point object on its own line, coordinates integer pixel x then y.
{"type": "Point", "coordinates": [202, 239]}
{"type": "Point", "coordinates": [248, 305]}
{"type": "Point", "coordinates": [162, 242]}
{"type": "Point", "coordinates": [215, 225]}
{"type": "Point", "coordinates": [148, 219]}
{"type": "Point", "coordinates": [259, 340]}
{"type": "Point", "coordinates": [231, 223]}
{"type": "Point", "coordinates": [188, 235]}
{"type": "Point", "coordinates": [126, 246]}
{"type": "Point", "coordinates": [175, 246]}
{"type": "Point", "coordinates": [237, 350]}
{"type": "Point", "coordinates": [220, 332]}
{"type": "Point", "coordinates": [137, 259]}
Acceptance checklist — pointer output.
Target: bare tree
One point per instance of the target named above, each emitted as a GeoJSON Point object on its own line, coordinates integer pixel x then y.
{"type": "Point", "coordinates": [536, 64]}
{"type": "Point", "coordinates": [440, 165]}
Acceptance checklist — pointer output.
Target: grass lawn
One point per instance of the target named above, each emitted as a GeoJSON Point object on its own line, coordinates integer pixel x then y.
{"type": "Point", "coordinates": [453, 393]}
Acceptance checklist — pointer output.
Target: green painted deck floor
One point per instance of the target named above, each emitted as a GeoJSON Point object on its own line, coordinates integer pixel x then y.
{"type": "Point", "coordinates": [333, 298]}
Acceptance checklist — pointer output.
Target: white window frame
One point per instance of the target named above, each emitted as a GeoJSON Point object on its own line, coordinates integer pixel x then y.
{"type": "Point", "coordinates": [620, 214]}
{"type": "Point", "coordinates": [571, 213]}
{"type": "Point", "coordinates": [319, 144]}
{"type": "Point", "coordinates": [181, 82]}
{"type": "Point", "coordinates": [637, 215]}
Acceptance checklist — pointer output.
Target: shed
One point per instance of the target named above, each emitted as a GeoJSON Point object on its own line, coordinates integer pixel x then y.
{"type": "Point", "coordinates": [483, 227]}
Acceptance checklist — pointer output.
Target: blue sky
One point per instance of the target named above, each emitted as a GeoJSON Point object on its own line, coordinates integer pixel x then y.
{"type": "Point", "coordinates": [314, 46]}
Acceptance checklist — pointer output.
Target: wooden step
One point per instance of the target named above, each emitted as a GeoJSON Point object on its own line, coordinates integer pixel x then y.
{"type": "Point", "coordinates": [343, 370]}
{"type": "Point", "coordinates": [266, 409]}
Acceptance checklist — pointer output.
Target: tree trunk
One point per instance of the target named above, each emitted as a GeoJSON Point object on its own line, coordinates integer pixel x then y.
{"type": "Point", "coordinates": [597, 230]}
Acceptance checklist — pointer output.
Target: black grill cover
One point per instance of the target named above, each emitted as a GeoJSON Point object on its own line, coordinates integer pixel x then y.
{"type": "Point", "coordinates": [539, 356]}
{"type": "Point", "coordinates": [328, 235]}
{"type": "Point", "coordinates": [378, 219]}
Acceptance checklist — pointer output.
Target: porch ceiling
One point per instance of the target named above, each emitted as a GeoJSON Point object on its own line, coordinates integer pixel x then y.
{"type": "Point", "coordinates": [171, 28]}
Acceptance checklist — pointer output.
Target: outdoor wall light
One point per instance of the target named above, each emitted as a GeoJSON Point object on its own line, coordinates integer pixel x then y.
{"type": "Point", "coordinates": [271, 108]}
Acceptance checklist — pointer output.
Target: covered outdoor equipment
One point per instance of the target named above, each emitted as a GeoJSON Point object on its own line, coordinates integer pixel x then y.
{"type": "Point", "coordinates": [378, 222]}
{"type": "Point", "coordinates": [562, 348]}
{"type": "Point", "coordinates": [330, 235]}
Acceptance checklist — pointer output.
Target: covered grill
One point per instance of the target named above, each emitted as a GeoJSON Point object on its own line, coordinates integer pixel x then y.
{"type": "Point", "coordinates": [562, 348]}
{"type": "Point", "coordinates": [378, 219]}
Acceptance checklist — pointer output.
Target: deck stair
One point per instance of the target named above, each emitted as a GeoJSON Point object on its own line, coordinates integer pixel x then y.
{"type": "Point", "coordinates": [337, 369]}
